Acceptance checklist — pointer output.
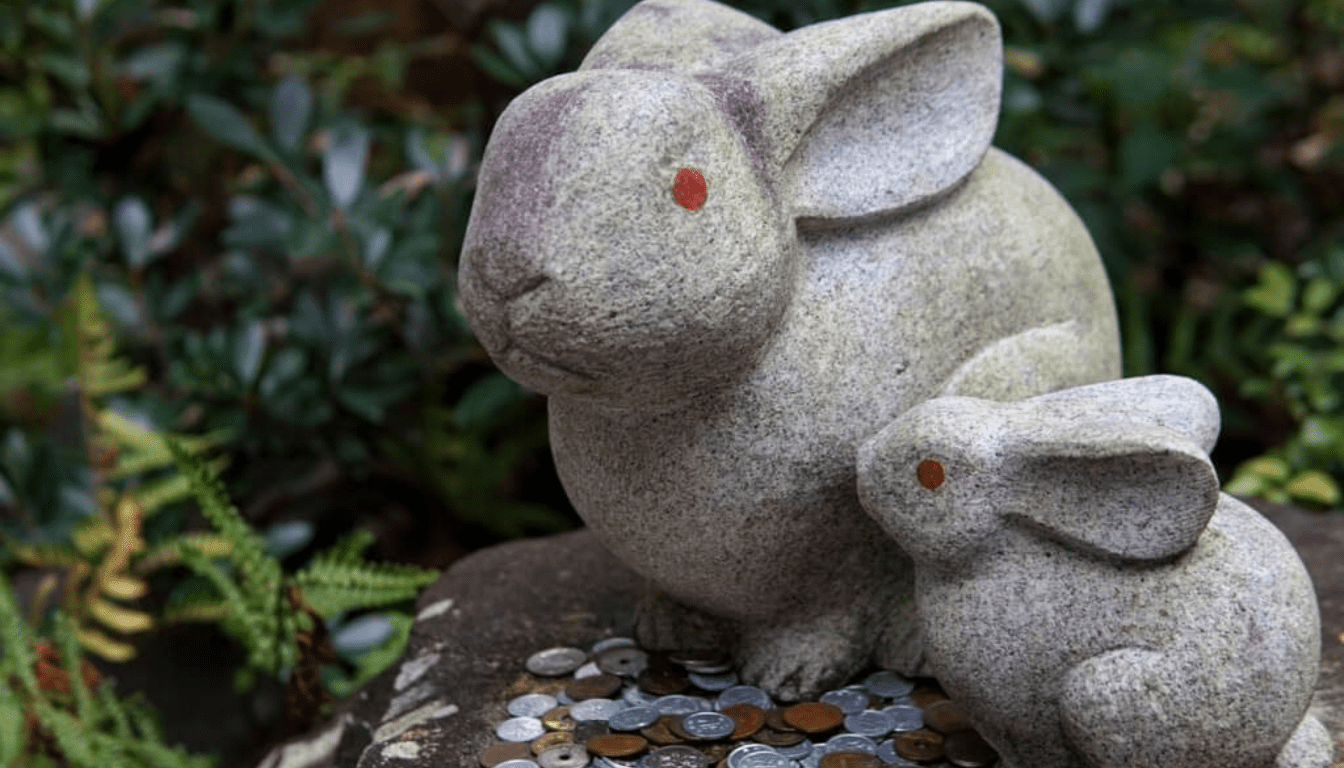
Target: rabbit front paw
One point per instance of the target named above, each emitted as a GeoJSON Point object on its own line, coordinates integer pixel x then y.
{"type": "Point", "coordinates": [801, 661]}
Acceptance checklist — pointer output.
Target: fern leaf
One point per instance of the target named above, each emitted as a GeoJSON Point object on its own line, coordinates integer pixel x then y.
{"type": "Point", "coordinates": [12, 738]}
{"type": "Point", "coordinates": [63, 632]}
{"type": "Point", "coordinates": [157, 494]}
{"type": "Point", "coordinates": [124, 587]}
{"type": "Point", "coordinates": [118, 617]}
{"type": "Point", "coordinates": [46, 555]}
{"type": "Point", "coordinates": [103, 646]}
{"type": "Point", "coordinates": [212, 545]}
{"type": "Point", "coordinates": [71, 737]}
{"type": "Point", "coordinates": [16, 638]}
{"type": "Point", "coordinates": [100, 371]}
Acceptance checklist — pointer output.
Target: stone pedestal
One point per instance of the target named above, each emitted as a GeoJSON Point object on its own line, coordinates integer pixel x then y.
{"type": "Point", "coordinates": [490, 611]}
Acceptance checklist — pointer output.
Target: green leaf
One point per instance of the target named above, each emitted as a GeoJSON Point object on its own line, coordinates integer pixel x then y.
{"type": "Point", "coordinates": [223, 121]}
{"type": "Point", "coordinates": [132, 220]}
{"type": "Point", "coordinates": [1319, 294]}
{"type": "Point", "coordinates": [1316, 486]}
{"type": "Point", "coordinates": [547, 31]}
{"type": "Point", "coordinates": [495, 66]}
{"type": "Point", "coordinates": [1273, 295]}
{"type": "Point", "coordinates": [1268, 467]}
{"type": "Point", "coordinates": [291, 109]}
{"type": "Point", "coordinates": [11, 725]}
{"type": "Point", "coordinates": [1145, 152]}
{"type": "Point", "coordinates": [249, 344]}
{"type": "Point", "coordinates": [363, 634]}
{"type": "Point", "coordinates": [343, 165]}
{"type": "Point", "coordinates": [484, 399]}
{"type": "Point", "coordinates": [1246, 485]}
{"type": "Point", "coordinates": [513, 44]}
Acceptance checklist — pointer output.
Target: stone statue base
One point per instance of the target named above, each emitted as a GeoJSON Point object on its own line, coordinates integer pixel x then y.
{"type": "Point", "coordinates": [490, 611]}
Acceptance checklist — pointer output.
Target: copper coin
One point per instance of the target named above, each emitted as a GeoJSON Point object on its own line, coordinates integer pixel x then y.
{"type": "Point", "coordinates": [849, 759]}
{"type": "Point", "coordinates": [662, 681]}
{"type": "Point", "coordinates": [595, 687]}
{"type": "Point", "coordinates": [814, 717]}
{"type": "Point", "coordinates": [552, 739]}
{"type": "Point", "coordinates": [774, 720]}
{"type": "Point", "coordinates": [773, 738]}
{"type": "Point", "coordinates": [558, 719]}
{"type": "Point", "coordinates": [925, 695]}
{"type": "Point", "coordinates": [923, 745]}
{"type": "Point", "coordinates": [966, 749]}
{"type": "Point", "coordinates": [747, 718]}
{"type": "Point", "coordinates": [498, 753]}
{"type": "Point", "coordinates": [660, 733]}
{"type": "Point", "coordinates": [617, 745]}
{"type": "Point", "coordinates": [674, 725]}
{"type": "Point", "coordinates": [717, 751]}
{"type": "Point", "coordinates": [946, 717]}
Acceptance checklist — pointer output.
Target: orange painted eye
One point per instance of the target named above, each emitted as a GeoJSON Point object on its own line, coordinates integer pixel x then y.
{"type": "Point", "coordinates": [930, 474]}
{"type": "Point", "coordinates": [689, 188]}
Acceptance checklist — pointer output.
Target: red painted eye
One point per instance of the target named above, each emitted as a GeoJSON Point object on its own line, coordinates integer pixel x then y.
{"type": "Point", "coordinates": [930, 474]}
{"type": "Point", "coordinates": [690, 189]}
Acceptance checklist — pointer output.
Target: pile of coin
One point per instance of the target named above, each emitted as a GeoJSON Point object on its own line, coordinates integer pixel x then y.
{"type": "Point", "coordinates": [617, 706]}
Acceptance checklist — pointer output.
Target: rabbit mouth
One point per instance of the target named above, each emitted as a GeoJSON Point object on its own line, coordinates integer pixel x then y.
{"type": "Point", "coordinates": [534, 366]}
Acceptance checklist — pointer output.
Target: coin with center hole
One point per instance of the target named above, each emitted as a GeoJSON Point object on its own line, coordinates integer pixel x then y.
{"type": "Point", "coordinates": [849, 760]}
{"type": "Point", "coordinates": [600, 686]}
{"type": "Point", "coordinates": [558, 719]}
{"type": "Point", "coordinates": [564, 756]}
{"type": "Point", "coordinates": [617, 745]}
{"type": "Point", "coordinates": [613, 642]}
{"type": "Point", "coordinates": [908, 718]}
{"type": "Point", "coordinates": [624, 661]}
{"type": "Point", "coordinates": [814, 717]}
{"type": "Point", "coordinates": [498, 753]}
{"type": "Point", "coordinates": [870, 722]}
{"type": "Point", "coordinates": [744, 694]}
{"type": "Point", "coordinates": [708, 726]}
{"type": "Point", "coordinates": [849, 700]}
{"type": "Point", "coordinates": [520, 729]}
{"type": "Point", "coordinates": [921, 745]}
{"type": "Point", "coordinates": [747, 719]}
{"type": "Point", "coordinates": [531, 705]}
{"type": "Point", "coordinates": [676, 757]}
{"type": "Point", "coordinates": [552, 739]}
{"type": "Point", "coordinates": [633, 718]}
{"type": "Point", "coordinates": [946, 717]}
{"type": "Point", "coordinates": [555, 662]}
{"type": "Point", "coordinates": [888, 684]}
{"type": "Point", "coordinates": [967, 749]}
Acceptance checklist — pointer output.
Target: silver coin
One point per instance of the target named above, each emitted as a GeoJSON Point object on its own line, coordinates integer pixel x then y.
{"type": "Point", "coordinates": [678, 704]}
{"type": "Point", "coordinates": [613, 642]}
{"type": "Point", "coordinates": [563, 756]}
{"type": "Point", "coordinates": [798, 751]}
{"type": "Point", "coordinates": [531, 705]}
{"type": "Point", "coordinates": [555, 662]}
{"type": "Point", "coordinates": [766, 760]}
{"type": "Point", "coordinates": [607, 762]}
{"type": "Point", "coordinates": [622, 660]}
{"type": "Point", "coordinates": [705, 662]}
{"type": "Point", "coordinates": [519, 729]}
{"type": "Point", "coordinates": [871, 722]}
{"type": "Point", "coordinates": [517, 763]}
{"type": "Point", "coordinates": [888, 684]}
{"type": "Point", "coordinates": [595, 709]}
{"type": "Point", "coordinates": [886, 751]}
{"type": "Point", "coordinates": [677, 756]}
{"type": "Point", "coordinates": [849, 700]}
{"type": "Point", "coordinates": [637, 698]}
{"type": "Point", "coordinates": [851, 742]}
{"type": "Point", "coordinates": [587, 670]}
{"type": "Point", "coordinates": [744, 694]}
{"type": "Point", "coordinates": [633, 718]}
{"type": "Point", "coordinates": [708, 726]}
{"type": "Point", "coordinates": [735, 757]}
{"type": "Point", "coordinates": [718, 682]}
{"type": "Point", "coordinates": [564, 698]}
{"type": "Point", "coordinates": [908, 718]}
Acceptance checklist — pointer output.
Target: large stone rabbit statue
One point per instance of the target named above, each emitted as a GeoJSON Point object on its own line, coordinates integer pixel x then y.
{"type": "Point", "coordinates": [728, 255]}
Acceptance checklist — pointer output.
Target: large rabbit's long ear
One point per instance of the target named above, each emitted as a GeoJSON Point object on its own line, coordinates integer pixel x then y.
{"type": "Point", "coordinates": [878, 112]}
{"type": "Point", "coordinates": [1121, 490]}
{"type": "Point", "coordinates": [1174, 402]}
{"type": "Point", "coordinates": [687, 36]}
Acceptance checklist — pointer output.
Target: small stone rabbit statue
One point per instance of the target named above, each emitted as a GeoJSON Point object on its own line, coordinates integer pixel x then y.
{"type": "Point", "coordinates": [727, 255]}
{"type": "Point", "coordinates": [1085, 591]}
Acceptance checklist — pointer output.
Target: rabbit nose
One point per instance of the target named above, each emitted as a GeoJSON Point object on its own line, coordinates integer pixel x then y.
{"type": "Point", "coordinates": [508, 274]}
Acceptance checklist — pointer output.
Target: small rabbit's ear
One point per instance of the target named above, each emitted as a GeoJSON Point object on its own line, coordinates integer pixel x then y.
{"type": "Point", "coordinates": [1120, 490]}
{"type": "Point", "coordinates": [687, 36]}
{"type": "Point", "coordinates": [1174, 402]}
{"type": "Point", "coordinates": [878, 112]}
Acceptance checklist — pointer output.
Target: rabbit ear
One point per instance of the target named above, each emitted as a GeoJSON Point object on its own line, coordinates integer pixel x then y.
{"type": "Point", "coordinates": [687, 36]}
{"type": "Point", "coordinates": [1128, 491]}
{"type": "Point", "coordinates": [878, 112]}
{"type": "Point", "coordinates": [1174, 402]}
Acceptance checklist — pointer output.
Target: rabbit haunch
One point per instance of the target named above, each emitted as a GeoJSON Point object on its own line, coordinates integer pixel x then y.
{"type": "Point", "coordinates": [711, 371]}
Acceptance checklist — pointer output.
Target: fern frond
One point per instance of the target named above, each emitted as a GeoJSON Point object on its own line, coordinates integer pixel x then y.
{"type": "Point", "coordinates": [12, 726]}
{"type": "Point", "coordinates": [16, 637]}
{"type": "Point", "coordinates": [45, 555]}
{"type": "Point", "coordinates": [212, 545]}
{"type": "Point", "coordinates": [103, 646]}
{"type": "Point", "coordinates": [63, 632]}
{"type": "Point", "coordinates": [255, 621]}
{"type": "Point", "coordinates": [100, 371]}
{"type": "Point", "coordinates": [330, 587]}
